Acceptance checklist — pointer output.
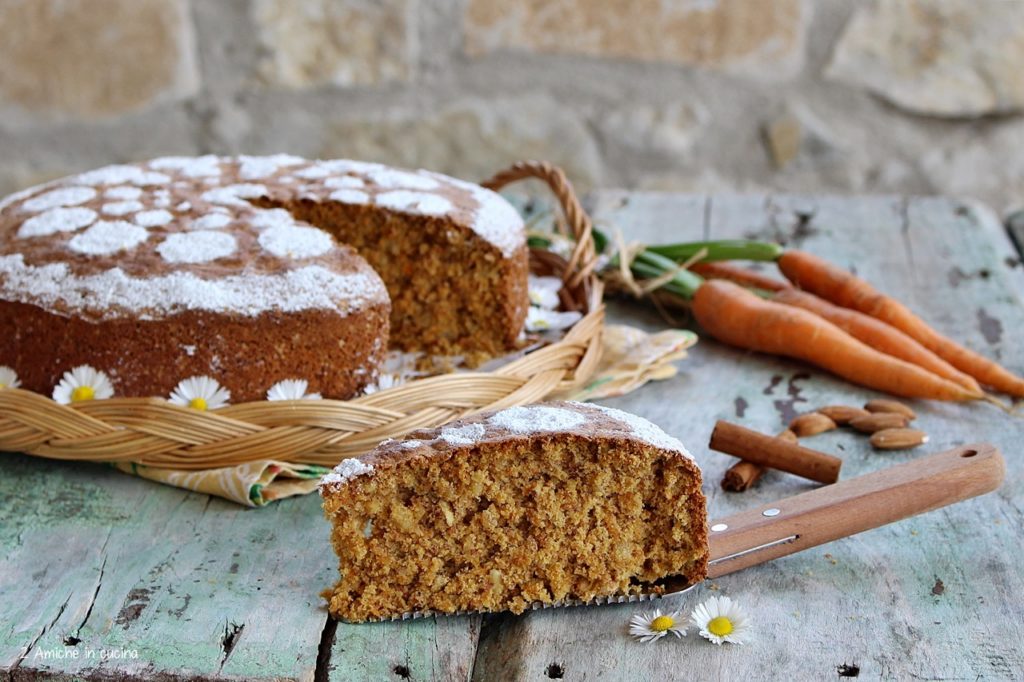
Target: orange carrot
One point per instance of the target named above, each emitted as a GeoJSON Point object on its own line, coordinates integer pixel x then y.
{"type": "Point", "coordinates": [732, 314]}
{"type": "Point", "coordinates": [878, 335]}
{"type": "Point", "coordinates": [734, 273]}
{"type": "Point", "coordinates": [842, 288]}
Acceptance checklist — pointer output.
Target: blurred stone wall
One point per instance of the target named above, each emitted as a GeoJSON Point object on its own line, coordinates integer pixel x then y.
{"type": "Point", "coordinates": [920, 96]}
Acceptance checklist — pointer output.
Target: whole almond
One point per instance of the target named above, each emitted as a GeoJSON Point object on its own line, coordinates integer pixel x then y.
{"type": "Point", "coordinates": [879, 421]}
{"type": "Point", "coordinates": [882, 405]}
{"type": "Point", "coordinates": [842, 414]}
{"type": "Point", "coordinates": [811, 424]}
{"type": "Point", "coordinates": [787, 435]}
{"type": "Point", "coordinates": [898, 439]}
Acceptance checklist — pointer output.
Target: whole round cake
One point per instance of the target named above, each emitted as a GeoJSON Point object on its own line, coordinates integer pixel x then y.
{"type": "Point", "coordinates": [254, 270]}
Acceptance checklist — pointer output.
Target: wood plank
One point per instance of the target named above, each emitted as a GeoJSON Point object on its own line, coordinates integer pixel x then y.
{"type": "Point", "coordinates": [163, 581]}
{"type": "Point", "coordinates": [874, 600]}
{"type": "Point", "coordinates": [425, 649]}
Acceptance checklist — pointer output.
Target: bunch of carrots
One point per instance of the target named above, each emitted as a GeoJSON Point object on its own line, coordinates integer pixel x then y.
{"type": "Point", "coordinates": [823, 315]}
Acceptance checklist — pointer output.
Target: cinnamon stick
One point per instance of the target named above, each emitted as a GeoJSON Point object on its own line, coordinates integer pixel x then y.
{"type": "Point", "coordinates": [775, 453]}
{"type": "Point", "coordinates": [741, 475]}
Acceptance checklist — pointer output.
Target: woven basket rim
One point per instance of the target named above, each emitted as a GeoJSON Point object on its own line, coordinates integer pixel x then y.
{"type": "Point", "coordinates": [154, 432]}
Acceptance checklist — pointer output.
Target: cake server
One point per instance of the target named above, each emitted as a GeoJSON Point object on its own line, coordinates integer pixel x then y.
{"type": "Point", "coordinates": [828, 513]}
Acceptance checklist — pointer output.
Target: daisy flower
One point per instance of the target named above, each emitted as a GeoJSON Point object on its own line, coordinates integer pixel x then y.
{"type": "Point", "coordinates": [200, 393]}
{"type": "Point", "coordinates": [543, 291]}
{"type": "Point", "coordinates": [83, 383]}
{"type": "Point", "coordinates": [539, 319]}
{"type": "Point", "coordinates": [383, 381]}
{"type": "Point", "coordinates": [8, 378]}
{"type": "Point", "coordinates": [652, 626]}
{"type": "Point", "coordinates": [720, 619]}
{"type": "Point", "coordinates": [291, 389]}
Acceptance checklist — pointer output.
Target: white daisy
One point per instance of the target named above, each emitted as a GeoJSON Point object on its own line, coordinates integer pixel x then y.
{"type": "Point", "coordinates": [543, 291]}
{"type": "Point", "coordinates": [384, 381]}
{"type": "Point", "coordinates": [200, 393]}
{"type": "Point", "coordinates": [539, 319]}
{"type": "Point", "coordinates": [8, 378]}
{"type": "Point", "coordinates": [720, 619]}
{"type": "Point", "coordinates": [83, 383]}
{"type": "Point", "coordinates": [652, 626]}
{"type": "Point", "coordinates": [291, 389]}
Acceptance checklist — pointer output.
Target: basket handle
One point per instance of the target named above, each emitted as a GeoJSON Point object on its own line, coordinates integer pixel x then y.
{"type": "Point", "coordinates": [584, 256]}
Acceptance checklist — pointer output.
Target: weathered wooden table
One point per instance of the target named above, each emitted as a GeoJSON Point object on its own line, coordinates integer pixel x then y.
{"type": "Point", "coordinates": [107, 576]}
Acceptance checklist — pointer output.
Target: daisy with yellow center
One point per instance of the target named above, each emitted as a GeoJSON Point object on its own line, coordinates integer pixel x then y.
{"type": "Point", "coordinates": [81, 384]}
{"type": "Point", "coordinates": [543, 291]}
{"type": "Point", "coordinates": [384, 382]}
{"type": "Point", "coordinates": [651, 626]}
{"type": "Point", "coordinates": [200, 393]}
{"type": "Point", "coordinates": [720, 619]}
{"type": "Point", "coordinates": [291, 389]}
{"type": "Point", "coordinates": [8, 378]}
{"type": "Point", "coordinates": [541, 319]}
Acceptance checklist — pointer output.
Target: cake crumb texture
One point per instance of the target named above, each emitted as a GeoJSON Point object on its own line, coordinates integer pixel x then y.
{"type": "Point", "coordinates": [512, 519]}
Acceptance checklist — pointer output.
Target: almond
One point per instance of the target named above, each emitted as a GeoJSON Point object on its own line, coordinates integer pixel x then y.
{"type": "Point", "coordinates": [898, 439]}
{"type": "Point", "coordinates": [811, 424]}
{"type": "Point", "coordinates": [842, 414]}
{"type": "Point", "coordinates": [788, 435]}
{"type": "Point", "coordinates": [879, 421]}
{"type": "Point", "coordinates": [880, 406]}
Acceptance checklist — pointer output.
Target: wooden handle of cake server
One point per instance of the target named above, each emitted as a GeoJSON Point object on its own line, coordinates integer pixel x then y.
{"type": "Point", "coordinates": [849, 507]}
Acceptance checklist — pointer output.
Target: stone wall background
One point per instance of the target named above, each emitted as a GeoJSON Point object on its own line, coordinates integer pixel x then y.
{"type": "Point", "coordinates": [922, 96]}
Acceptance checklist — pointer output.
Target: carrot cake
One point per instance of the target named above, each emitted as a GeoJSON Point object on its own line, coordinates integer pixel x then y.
{"type": "Point", "coordinates": [545, 503]}
{"type": "Point", "coordinates": [252, 270]}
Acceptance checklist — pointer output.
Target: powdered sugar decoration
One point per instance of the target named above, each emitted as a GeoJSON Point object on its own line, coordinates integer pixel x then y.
{"type": "Point", "coordinates": [232, 195]}
{"type": "Point", "coordinates": [107, 294]}
{"type": "Point", "coordinates": [419, 202]}
{"type": "Point", "coordinates": [272, 217]}
{"type": "Point", "coordinates": [642, 429]}
{"type": "Point", "coordinates": [107, 237]}
{"type": "Point", "coordinates": [200, 246]}
{"type": "Point", "coordinates": [57, 220]}
{"type": "Point", "coordinates": [122, 207]}
{"type": "Point", "coordinates": [256, 167]}
{"type": "Point", "coordinates": [161, 198]}
{"type": "Point", "coordinates": [121, 175]}
{"type": "Point", "coordinates": [344, 182]}
{"type": "Point", "coordinates": [123, 192]}
{"type": "Point", "coordinates": [64, 196]}
{"type": "Point", "coordinates": [153, 218]}
{"type": "Point", "coordinates": [189, 166]}
{"type": "Point", "coordinates": [293, 241]}
{"type": "Point", "coordinates": [350, 196]}
{"type": "Point", "coordinates": [346, 471]}
{"type": "Point", "coordinates": [316, 171]}
{"type": "Point", "coordinates": [536, 419]}
{"type": "Point", "coordinates": [462, 435]}
{"type": "Point", "coordinates": [211, 221]}
{"type": "Point", "coordinates": [391, 178]}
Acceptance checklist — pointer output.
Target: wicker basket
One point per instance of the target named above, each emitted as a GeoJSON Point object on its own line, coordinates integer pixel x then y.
{"type": "Point", "coordinates": [154, 432]}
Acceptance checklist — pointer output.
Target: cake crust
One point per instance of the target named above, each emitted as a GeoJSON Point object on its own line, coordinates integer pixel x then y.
{"type": "Point", "coordinates": [532, 504]}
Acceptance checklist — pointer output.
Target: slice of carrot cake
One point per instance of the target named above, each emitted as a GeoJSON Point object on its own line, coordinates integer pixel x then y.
{"type": "Point", "coordinates": [542, 503]}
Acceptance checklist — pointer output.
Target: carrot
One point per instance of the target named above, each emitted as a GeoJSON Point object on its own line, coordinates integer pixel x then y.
{"type": "Point", "coordinates": [734, 273]}
{"type": "Point", "coordinates": [732, 314]}
{"type": "Point", "coordinates": [878, 335]}
{"type": "Point", "coordinates": [840, 287]}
